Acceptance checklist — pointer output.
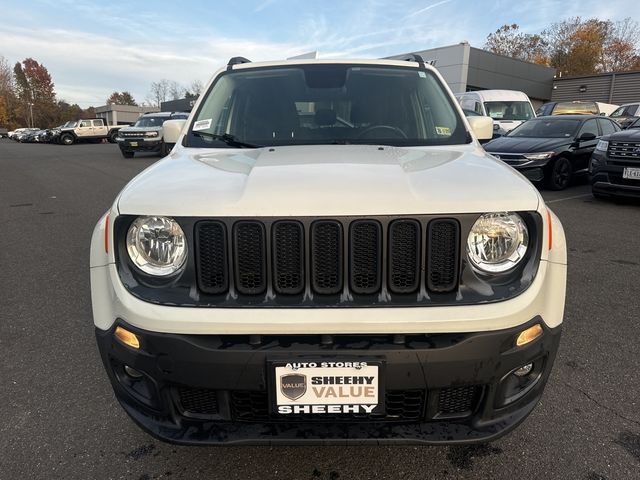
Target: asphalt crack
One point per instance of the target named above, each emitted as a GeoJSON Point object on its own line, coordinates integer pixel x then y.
{"type": "Point", "coordinates": [601, 405]}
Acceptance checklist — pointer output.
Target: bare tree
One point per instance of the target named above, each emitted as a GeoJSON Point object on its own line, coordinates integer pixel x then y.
{"type": "Point", "coordinates": [176, 91]}
{"type": "Point", "coordinates": [195, 88]}
{"type": "Point", "coordinates": [510, 41]}
{"type": "Point", "coordinates": [159, 92]}
{"type": "Point", "coordinates": [6, 77]}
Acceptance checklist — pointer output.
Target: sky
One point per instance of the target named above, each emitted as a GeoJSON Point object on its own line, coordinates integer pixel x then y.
{"type": "Point", "coordinates": [92, 48]}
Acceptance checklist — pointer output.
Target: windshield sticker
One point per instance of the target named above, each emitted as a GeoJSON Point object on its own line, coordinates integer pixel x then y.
{"type": "Point", "coordinates": [443, 130]}
{"type": "Point", "coordinates": [202, 125]}
{"type": "Point", "coordinates": [422, 75]}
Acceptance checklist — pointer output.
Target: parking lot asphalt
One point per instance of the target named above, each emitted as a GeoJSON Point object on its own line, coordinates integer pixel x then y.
{"type": "Point", "coordinates": [60, 420]}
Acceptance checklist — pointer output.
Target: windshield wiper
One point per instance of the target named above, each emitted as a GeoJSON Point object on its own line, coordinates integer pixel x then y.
{"type": "Point", "coordinates": [227, 138]}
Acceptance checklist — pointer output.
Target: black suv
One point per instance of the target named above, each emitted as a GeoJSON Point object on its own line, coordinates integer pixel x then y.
{"type": "Point", "coordinates": [615, 164]}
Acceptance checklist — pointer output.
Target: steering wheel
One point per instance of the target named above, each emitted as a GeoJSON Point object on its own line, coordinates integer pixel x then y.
{"type": "Point", "coordinates": [395, 130]}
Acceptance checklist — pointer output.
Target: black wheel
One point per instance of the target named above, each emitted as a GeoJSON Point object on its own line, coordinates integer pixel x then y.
{"type": "Point", "coordinates": [395, 131]}
{"type": "Point", "coordinates": [126, 154]}
{"type": "Point", "coordinates": [166, 148]}
{"type": "Point", "coordinates": [67, 139]}
{"type": "Point", "coordinates": [559, 174]}
{"type": "Point", "coordinates": [112, 136]}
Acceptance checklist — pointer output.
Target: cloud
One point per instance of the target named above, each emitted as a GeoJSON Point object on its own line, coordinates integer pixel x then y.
{"type": "Point", "coordinates": [428, 7]}
{"type": "Point", "coordinates": [87, 67]}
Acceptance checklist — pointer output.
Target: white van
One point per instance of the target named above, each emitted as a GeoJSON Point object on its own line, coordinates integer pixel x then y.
{"type": "Point", "coordinates": [508, 108]}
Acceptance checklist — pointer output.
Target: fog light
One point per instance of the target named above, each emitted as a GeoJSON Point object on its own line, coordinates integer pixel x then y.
{"type": "Point", "coordinates": [523, 371]}
{"type": "Point", "coordinates": [133, 373]}
{"type": "Point", "coordinates": [128, 338]}
{"type": "Point", "coordinates": [529, 335]}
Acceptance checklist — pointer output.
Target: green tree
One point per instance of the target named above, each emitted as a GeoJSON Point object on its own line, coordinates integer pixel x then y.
{"type": "Point", "coordinates": [121, 98]}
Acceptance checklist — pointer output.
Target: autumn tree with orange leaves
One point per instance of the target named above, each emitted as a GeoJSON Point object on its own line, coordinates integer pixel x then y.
{"type": "Point", "coordinates": [573, 46]}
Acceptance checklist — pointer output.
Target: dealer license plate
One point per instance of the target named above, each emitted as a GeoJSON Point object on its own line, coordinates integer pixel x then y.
{"type": "Point", "coordinates": [133, 144]}
{"type": "Point", "coordinates": [327, 387]}
{"type": "Point", "coordinates": [631, 173]}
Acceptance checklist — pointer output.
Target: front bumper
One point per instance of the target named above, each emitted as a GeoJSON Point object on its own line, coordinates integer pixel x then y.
{"type": "Point", "coordinates": [140, 145]}
{"type": "Point", "coordinates": [214, 389]}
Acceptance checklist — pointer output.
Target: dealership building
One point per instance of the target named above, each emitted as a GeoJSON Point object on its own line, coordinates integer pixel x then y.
{"type": "Point", "coordinates": [616, 88]}
{"type": "Point", "coordinates": [466, 68]}
{"type": "Point", "coordinates": [122, 114]}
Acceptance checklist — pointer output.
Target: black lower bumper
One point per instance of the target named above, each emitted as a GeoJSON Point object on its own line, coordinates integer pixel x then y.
{"type": "Point", "coordinates": [444, 388]}
{"type": "Point", "coordinates": [612, 183]}
{"type": "Point", "coordinates": [140, 146]}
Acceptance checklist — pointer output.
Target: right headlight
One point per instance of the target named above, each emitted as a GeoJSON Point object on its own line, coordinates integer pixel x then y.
{"type": "Point", "coordinates": [497, 242]}
{"type": "Point", "coordinates": [157, 245]}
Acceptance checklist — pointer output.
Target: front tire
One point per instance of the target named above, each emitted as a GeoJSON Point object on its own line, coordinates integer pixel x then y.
{"type": "Point", "coordinates": [112, 136]}
{"type": "Point", "coordinates": [165, 149]}
{"type": "Point", "coordinates": [559, 174]}
{"type": "Point", "coordinates": [67, 139]}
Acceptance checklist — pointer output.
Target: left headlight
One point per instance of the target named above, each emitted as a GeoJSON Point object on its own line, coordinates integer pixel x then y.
{"type": "Point", "coordinates": [157, 245]}
{"type": "Point", "coordinates": [538, 155]}
{"type": "Point", "coordinates": [151, 134]}
{"type": "Point", "coordinates": [497, 242]}
{"type": "Point", "coordinates": [602, 145]}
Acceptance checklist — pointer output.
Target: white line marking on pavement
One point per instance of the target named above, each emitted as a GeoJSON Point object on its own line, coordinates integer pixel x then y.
{"type": "Point", "coordinates": [567, 198]}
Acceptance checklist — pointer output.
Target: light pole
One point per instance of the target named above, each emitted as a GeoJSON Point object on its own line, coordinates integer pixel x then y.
{"type": "Point", "coordinates": [30, 114]}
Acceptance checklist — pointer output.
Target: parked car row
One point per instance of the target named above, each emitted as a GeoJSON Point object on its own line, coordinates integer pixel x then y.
{"type": "Point", "coordinates": [146, 135]}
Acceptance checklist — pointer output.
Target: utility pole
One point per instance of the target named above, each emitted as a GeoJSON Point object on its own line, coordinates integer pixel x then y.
{"type": "Point", "coordinates": [31, 114]}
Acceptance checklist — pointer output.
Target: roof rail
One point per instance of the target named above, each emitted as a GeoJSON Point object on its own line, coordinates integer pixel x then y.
{"type": "Point", "coordinates": [414, 57]}
{"type": "Point", "coordinates": [236, 61]}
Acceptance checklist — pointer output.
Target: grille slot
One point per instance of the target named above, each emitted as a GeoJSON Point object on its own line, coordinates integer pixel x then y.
{"type": "Point", "coordinates": [404, 256]}
{"type": "Point", "coordinates": [458, 401]}
{"type": "Point", "coordinates": [211, 258]}
{"type": "Point", "coordinates": [326, 257]}
{"type": "Point", "coordinates": [288, 257]}
{"type": "Point", "coordinates": [250, 257]}
{"type": "Point", "coordinates": [365, 256]}
{"type": "Point", "coordinates": [400, 405]}
{"type": "Point", "coordinates": [198, 401]}
{"type": "Point", "coordinates": [443, 239]}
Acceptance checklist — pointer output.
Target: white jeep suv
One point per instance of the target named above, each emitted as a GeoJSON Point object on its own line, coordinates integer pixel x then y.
{"type": "Point", "coordinates": [328, 255]}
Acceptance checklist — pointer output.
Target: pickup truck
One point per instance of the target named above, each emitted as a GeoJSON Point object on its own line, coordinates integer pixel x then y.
{"type": "Point", "coordinates": [88, 130]}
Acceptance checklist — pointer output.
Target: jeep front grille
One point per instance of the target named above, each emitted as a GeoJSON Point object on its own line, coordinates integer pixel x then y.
{"type": "Point", "coordinates": [288, 258]}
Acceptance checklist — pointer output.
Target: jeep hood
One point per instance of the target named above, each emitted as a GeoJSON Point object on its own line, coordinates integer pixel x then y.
{"type": "Point", "coordinates": [327, 180]}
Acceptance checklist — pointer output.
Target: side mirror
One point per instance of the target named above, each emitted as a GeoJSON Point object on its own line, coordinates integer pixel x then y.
{"type": "Point", "coordinates": [171, 130]}
{"type": "Point", "coordinates": [482, 127]}
{"type": "Point", "coordinates": [587, 136]}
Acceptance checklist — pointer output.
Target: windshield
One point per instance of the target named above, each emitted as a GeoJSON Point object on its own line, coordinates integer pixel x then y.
{"type": "Point", "coordinates": [326, 104]}
{"type": "Point", "coordinates": [509, 110]}
{"type": "Point", "coordinates": [624, 111]}
{"type": "Point", "coordinates": [546, 128]}
{"type": "Point", "coordinates": [150, 121]}
{"type": "Point", "coordinates": [576, 108]}
{"type": "Point", "coordinates": [634, 124]}
{"type": "Point", "coordinates": [70, 124]}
